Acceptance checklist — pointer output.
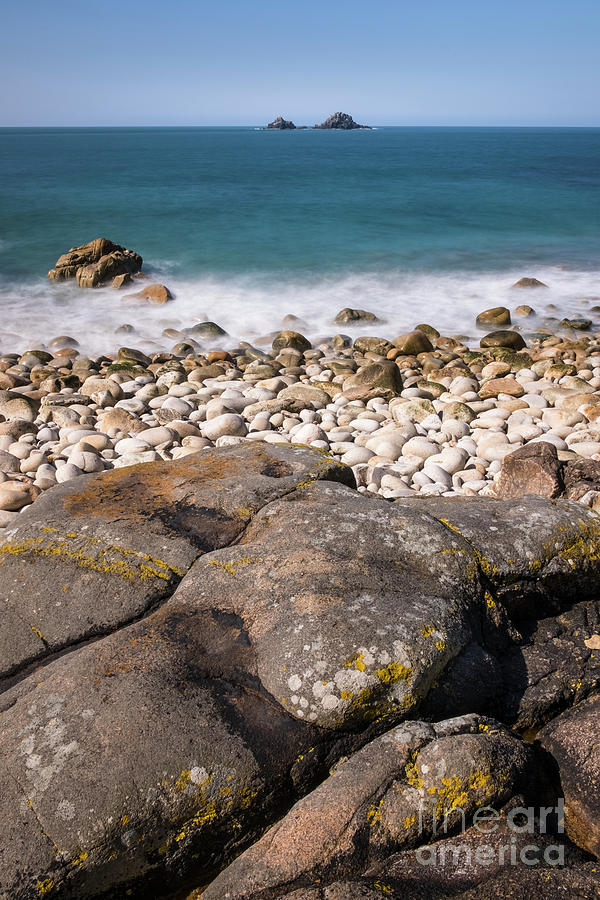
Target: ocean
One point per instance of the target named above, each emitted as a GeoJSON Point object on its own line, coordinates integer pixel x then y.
{"type": "Point", "coordinates": [246, 225]}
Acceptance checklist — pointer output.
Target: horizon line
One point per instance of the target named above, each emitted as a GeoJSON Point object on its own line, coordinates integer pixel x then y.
{"type": "Point", "coordinates": [301, 127]}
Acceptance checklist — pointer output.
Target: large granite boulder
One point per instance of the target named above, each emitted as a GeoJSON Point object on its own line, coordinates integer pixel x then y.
{"type": "Point", "coordinates": [97, 552]}
{"type": "Point", "coordinates": [132, 759]}
{"type": "Point", "coordinates": [353, 605]}
{"type": "Point", "coordinates": [96, 262]}
{"type": "Point", "coordinates": [538, 555]}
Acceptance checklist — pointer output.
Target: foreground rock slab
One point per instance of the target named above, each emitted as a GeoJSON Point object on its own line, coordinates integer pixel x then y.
{"type": "Point", "coordinates": [97, 552]}
{"type": "Point", "coordinates": [161, 730]}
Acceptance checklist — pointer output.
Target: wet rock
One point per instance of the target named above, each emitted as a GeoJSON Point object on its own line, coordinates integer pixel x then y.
{"type": "Point", "coordinates": [413, 343]}
{"type": "Point", "coordinates": [347, 315]}
{"type": "Point", "coordinates": [207, 330]}
{"type": "Point", "coordinates": [578, 323]}
{"type": "Point", "coordinates": [120, 281]}
{"type": "Point", "coordinates": [528, 282]}
{"type": "Point", "coordinates": [155, 293]}
{"type": "Point", "coordinates": [290, 339]}
{"type": "Point", "coordinates": [524, 310]}
{"type": "Point", "coordinates": [497, 316]}
{"type": "Point", "coordinates": [510, 339]}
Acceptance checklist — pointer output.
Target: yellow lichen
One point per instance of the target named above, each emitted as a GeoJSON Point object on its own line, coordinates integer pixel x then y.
{"type": "Point", "coordinates": [393, 673]}
{"type": "Point", "coordinates": [45, 886]}
{"type": "Point", "coordinates": [104, 558]}
{"type": "Point", "coordinates": [183, 780]}
{"type": "Point", "coordinates": [230, 567]}
{"type": "Point", "coordinates": [374, 813]}
{"type": "Point", "coordinates": [358, 661]}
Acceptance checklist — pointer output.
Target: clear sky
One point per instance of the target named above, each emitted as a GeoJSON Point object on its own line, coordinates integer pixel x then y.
{"type": "Point", "coordinates": [399, 62]}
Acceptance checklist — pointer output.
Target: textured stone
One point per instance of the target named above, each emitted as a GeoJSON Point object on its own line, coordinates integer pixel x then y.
{"type": "Point", "coordinates": [532, 469]}
{"type": "Point", "coordinates": [100, 550]}
{"type": "Point", "coordinates": [572, 740]}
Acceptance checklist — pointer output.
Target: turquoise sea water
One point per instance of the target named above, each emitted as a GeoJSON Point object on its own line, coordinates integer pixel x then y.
{"type": "Point", "coordinates": [246, 225]}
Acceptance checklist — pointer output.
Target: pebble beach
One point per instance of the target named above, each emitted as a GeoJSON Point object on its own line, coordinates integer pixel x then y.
{"type": "Point", "coordinates": [422, 414]}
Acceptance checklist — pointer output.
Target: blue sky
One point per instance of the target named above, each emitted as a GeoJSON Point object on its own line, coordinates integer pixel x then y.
{"type": "Point", "coordinates": [430, 62]}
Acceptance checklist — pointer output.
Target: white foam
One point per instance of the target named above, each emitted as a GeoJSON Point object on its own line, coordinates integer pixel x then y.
{"type": "Point", "coordinates": [251, 306]}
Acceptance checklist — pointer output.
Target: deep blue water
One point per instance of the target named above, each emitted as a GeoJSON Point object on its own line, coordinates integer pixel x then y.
{"type": "Point", "coordinates": [239, 219]}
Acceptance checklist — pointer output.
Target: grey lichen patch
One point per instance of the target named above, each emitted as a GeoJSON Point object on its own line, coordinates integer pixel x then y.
{"type": "Point", "coordinates": [45, 744]}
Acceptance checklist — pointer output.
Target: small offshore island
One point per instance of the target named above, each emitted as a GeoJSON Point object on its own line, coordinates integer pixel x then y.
{"type": "Point", "coordinates": [339, 121]}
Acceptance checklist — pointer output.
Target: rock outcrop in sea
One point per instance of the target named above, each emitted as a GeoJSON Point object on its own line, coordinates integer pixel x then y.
{"type": "Point", "coordinates": [342, 121]}
{"type": "Point", "coordinates": [281, 124]}
{"type": "Point", "coordinates": [95, 263]}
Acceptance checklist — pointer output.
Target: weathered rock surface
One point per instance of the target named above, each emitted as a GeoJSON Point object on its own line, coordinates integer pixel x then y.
{"type": "Point", "coordinates": [95, 262]}
{"type": "Point", "coordinates": [388, 795]}
{"type": "Point", "coordinates": [572, 740]}
{"type": "Point", "coordinates": [136, 757]}
{"type": "Point", "coordinates": [554, 665]}
{"type": "Point", "coordinates": [533, 469]}
{"type": "Point", "coordinates": [96, 552]}
{"type": "Point", "coordinates": [353, 606]}
{"type": "Point", "coordinates": [537, 554]}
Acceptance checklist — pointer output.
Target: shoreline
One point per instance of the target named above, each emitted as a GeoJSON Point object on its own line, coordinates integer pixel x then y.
{"type": "Point", "coordinates": [422, 415]}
